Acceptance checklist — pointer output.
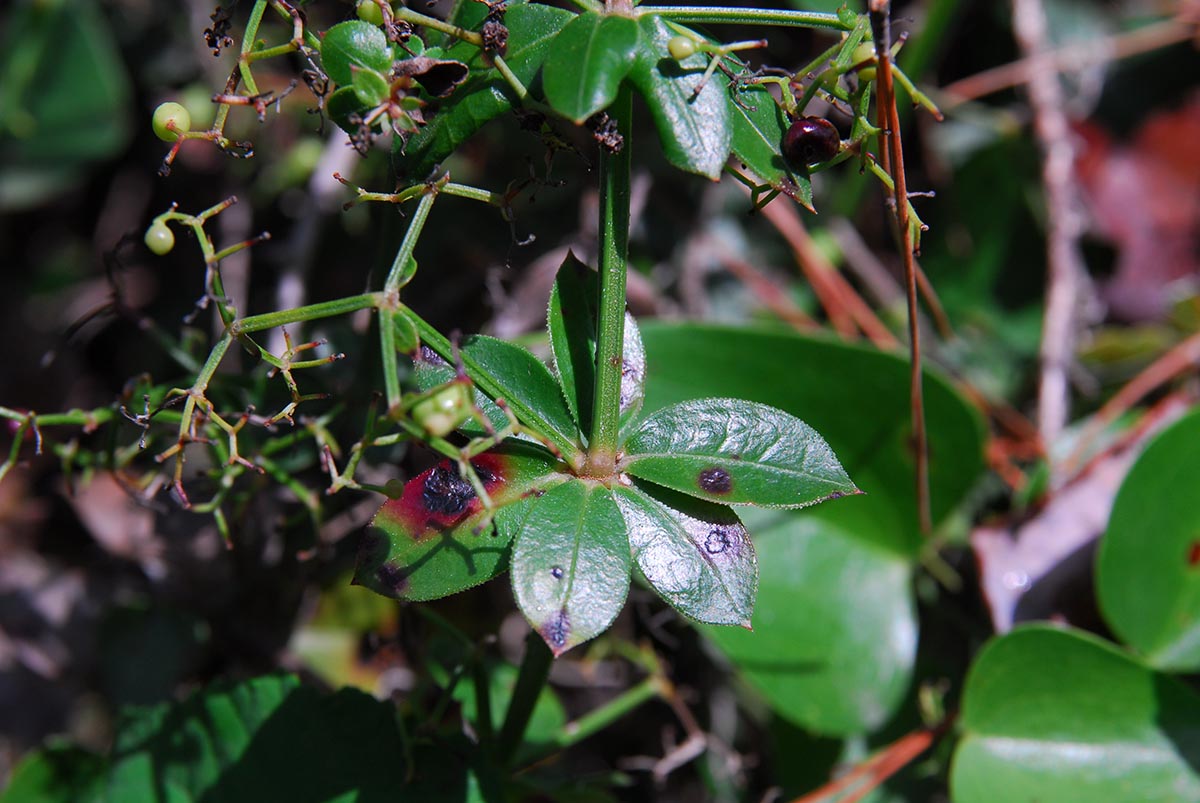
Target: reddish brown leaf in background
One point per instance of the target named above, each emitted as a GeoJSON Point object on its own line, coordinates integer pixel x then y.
{"type": "Point", "coordinates": [1144, 197]}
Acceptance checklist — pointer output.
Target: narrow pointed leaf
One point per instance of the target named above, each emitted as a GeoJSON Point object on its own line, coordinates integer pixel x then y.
{"type": "Point", "coordinates": [696, 555]}
{"type": "Point", "coordinates": [694, 129]}
{"type": "Point", "coordinates": [591, 56]}
{"type": "Point", "coordinates": [571, 564]}
{"type": "Point", "coordinates": [1148, 566]}
{"type": "Point", "coordinates": [736, 452]}
{"type": "Point", "coordinates": [758, 125]}
{"type": "Point", "coordinates": [485, 95]}
{"type": "Point", "coordinates": [429, 543]}
{"type": "Point", "coordinates": [572, 324]}
{"type": "Point", "coordinates": [1053, 714]}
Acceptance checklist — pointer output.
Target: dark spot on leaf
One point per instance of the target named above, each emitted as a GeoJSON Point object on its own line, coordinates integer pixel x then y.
{"type": "Point", "coordinates": [715, 480]}
{"type": "Point", "coordinates": [446, 491]}
{"type": "Point", "coordinates": [392, 577]}
{"type": "Point", "coordinates": [556, 572]}
{"type": "Point", "coordinates": [1194, 554]}
{"type": "Point", "coordinates": [557, 630]}
{"type": "Point", "coordinates": [716, 542]}
{"type": "Point", "coordinates": [835, 495]}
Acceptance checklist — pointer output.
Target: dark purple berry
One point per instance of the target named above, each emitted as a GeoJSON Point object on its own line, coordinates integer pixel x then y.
{"type": "Point", "coordinates": [810, 140]}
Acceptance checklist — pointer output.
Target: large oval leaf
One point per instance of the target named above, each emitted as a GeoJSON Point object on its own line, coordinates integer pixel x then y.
{"type": "Point", "coordinates": [1059, 715]}
{"type": "Point", "coordinates": [856, 397]}
{"type": "Point", "coordinates": [591, 56]}
{"type": "Point", "coordinates": [835, 631]}
{"type": "Point", "coordinates": [1148, 567]}
{"type": "Point", "coordinates": [571, 564]}
{"type": "Point", "coordinates": [736, 452]}
{"type": "Point", "coordinates": [694, 129]}
{"type": "Point", "coordinates": [696, 556]}
{"type": "Point", "coordinates": [429, 542]}
{"type": "Point", "coordinates": [354, 45]}
{"type": "Point", "coordinates": [485, 95]}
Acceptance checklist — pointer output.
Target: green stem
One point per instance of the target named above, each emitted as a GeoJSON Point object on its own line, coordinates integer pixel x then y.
{"type": "Point", "coordinates": [610, 325]}
{"type": "Point", "coordinates": [395, 277]}
{"type": "Point", "coordinates": [535, 669]}
{"type": "Point", "coordinates": [595, 721]}
{"type": "Point", "coordinates": [311, 312]}
{"type": "Point", "coordinates": [746, 16]}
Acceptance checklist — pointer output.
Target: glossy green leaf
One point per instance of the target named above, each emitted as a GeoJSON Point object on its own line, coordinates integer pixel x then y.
{"type": "Point", "coordinates": [370, 87]}
{"type": "Point", "coordinates": [856, 397]}
{"type": "Point", "coordinates": [352, 45]}
{"type": "Point", "coordinates": [574, 300]}
{"type": "Point", "coordinates": [694, 129]}
{"type": "Point", "coordinates": [697, 556]}
{"type": "Point", "coordinates": [511, 372]}
{"type": "Point", "coordinates": [431, 542]}
{"type": "Point", "coordinates": [835, 627]}
{"type": "Point", "coordinates": [590, 56]}
{"type": "Point", "coordinates": [57, 774]}
{"type": "Point", "coordinates": [263, 739]}
{"type": "Point", "coordinates": [758, 124]}
{"type": "Point", "coordinates": [571, 564]}
{"type": "Point", "coordinates": [736, 452]}
{"type": "Point", "coordinates": [1148, 566]}
{"type": "Point", "coordinates": [64, 98]}
{"type": "Point", "coordinates": [1061, 715]}
{"type": "Point", "coordinates": [485, 95]}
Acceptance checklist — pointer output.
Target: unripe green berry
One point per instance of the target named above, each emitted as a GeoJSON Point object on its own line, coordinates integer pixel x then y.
{"type": "Point", "coordinates": [159, 238]}
{"type": "Point", "coordinates": [444, 410]}
{"type": "Point", "coordinates": [864, 54]}
{"type": "Point", "coordinates": [176, 116]}
{"type": "Point", "coordinates": [369, 11]}
{"type": "Point", "coordinates": [681, 47]}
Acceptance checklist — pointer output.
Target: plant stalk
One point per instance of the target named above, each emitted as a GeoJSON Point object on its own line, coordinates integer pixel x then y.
{"type": "Point", "coordinates": [535, 669]}
{"type": "Point", "coordinates": [610, 323]}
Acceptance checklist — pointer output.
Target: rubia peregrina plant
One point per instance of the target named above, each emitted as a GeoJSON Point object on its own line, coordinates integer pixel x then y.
{"type": "Point", "coordinates": [551, 473]}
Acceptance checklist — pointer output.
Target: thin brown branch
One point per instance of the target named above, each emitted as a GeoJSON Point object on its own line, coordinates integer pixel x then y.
{"type": "Point", "coordinates": [889, 123]}
{"type": "Point", "coordinates": [1065, 270]}
{"type": "Point", "coordinates": [1073, 57]}
{"type": "Point", "coordinates": [1181, 357]}
{"type": "Point", "coordinates": [868, 775]}
{"type": "Point", "coordinates": [772, 296]}
{"type": "Point", "coordinates": [847, 310]}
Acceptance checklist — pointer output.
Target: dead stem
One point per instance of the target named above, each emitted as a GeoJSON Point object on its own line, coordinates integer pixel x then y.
{"type": "Point", "coordinates": [1064, 266]}
{"type": "Point", "coordinates": [893, 162]}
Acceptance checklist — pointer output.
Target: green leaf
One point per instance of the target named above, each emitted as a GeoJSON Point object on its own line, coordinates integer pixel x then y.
{"type": "Point", "coordinates": [1148, 567]}
{"type": "Point", "coordinates": [571, 564]}
{"type": "Point", "coordinates": [57, 774]}
{"type": "Point", "coordinates": [591, 56]}
{"type": "Point", "coordinates": [264, 739]}
{"type": "Point", "coordinates": [736, 452]}
{"type": "Point", "coordinates": [758, 124]}
{"type": "Point", "coordinates": [64, 99]}
{"type": "Point", "coordinates": [354, 44]}
{"type": "Point", "coordinates": [430, 543]}
{"type": "Point", "coordinates": [835, 627]}
{"type": "Point", "coordinates": [574, 301]}
{"type": "Point", "coordinates": [1061, 715]}
{"type": "Point", "coordinates": [697, 556]}
{"type": "Point", "coordinates": [856, 397]}
{"type": "Point", "coordinates": [370, 87]}
{"type": "Point", "coordinates": [341, 104]}
{"type": "Point", "coordinates": [506, 370]}
{"type": "Point", "coordinates": [485, 95]}
{"type": "Point", "coordinates": [695, 130]}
